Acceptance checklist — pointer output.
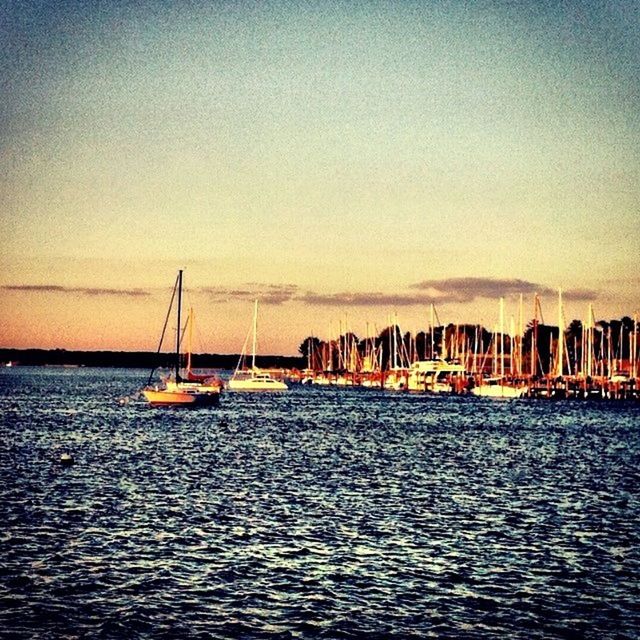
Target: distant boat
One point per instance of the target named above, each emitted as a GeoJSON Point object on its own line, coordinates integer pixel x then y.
{"type": "Point", "coordinates": [181, 391]}
{"type": "Point", "coordinates": [256, 381]}
{"type": "Point", "coordinates": [435, 375]}
{"type": "Point", "coordinates": [253, 379]}
{"type": "Point", "coordinates": [497, 388]}
{"type": "Point", "coordinates": [396, 379]}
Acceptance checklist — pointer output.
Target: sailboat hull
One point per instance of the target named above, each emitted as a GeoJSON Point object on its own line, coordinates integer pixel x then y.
{"type": "Point", "coordinates": [181, 398]}
{"type": "Point", "coordinates": [499, 391]}
{"type": "Point", "coordinates": [260, 383]}
{"type": "Point", "coordinates": [182, 392]}
{"type": "Point", "coordinates": [253, 380]}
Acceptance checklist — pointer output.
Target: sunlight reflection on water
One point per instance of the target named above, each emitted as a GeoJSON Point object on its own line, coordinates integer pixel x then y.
{"type": "Point", "coordinates": [317, 513]}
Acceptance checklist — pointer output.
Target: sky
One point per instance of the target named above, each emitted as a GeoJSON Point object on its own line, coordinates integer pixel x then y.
{"type": "Point", "coordinates": [348, 164]}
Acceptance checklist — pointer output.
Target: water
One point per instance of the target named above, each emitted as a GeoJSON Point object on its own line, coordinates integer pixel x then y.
{"type": "Point", "coordinates": [320, 513]}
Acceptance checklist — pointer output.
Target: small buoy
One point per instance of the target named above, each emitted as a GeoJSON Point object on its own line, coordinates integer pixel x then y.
{"type": "Point", "coordinates": [66, 459]}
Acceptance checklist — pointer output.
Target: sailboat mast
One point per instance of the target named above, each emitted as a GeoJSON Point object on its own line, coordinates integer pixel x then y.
{"type": "Point", "coordinates": [534, 338]}
{"type": "Point", "coordinates": [560, 336]}
{"type": "Point", "coordinates": [502, 337]}
{"type": "Point", "coordinates": [494, 370]}
{"type": "Point", "coordinates": [255, 332]}
{"type": "Point", "coordinates": [634, 352]}
{"type": "Point", "coordinates": [395, 341]}
{"type": "Point", "coordinates": [520, 334]}
{"type": "Point", "coordinates": [190, 345]}
{"type": "Point", "coordinates": [590, 342]}
{"type": "Point", "coordinates": [431, 326]}
{"type": "Point", "coordinates": [178, 326]}
{"type": "Point", "coordinates": [512, 332]}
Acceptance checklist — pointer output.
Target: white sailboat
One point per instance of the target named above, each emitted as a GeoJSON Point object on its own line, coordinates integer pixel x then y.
{"type": "Point", "coordinates": [180, 391]}
{"type": "Point", "coordinates": [497, 386]}
{"type": "Point", "coordinates": [253, 379]}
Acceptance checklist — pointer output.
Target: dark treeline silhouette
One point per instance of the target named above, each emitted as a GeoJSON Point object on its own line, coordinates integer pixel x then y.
{"type": "Point", "coordinates": [135, 359]}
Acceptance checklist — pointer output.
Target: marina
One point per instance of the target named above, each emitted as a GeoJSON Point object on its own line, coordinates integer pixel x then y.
{"type": "Point", "coordinates": [590, 360]}
{"type": "Point", "coordinates": [532, 387]}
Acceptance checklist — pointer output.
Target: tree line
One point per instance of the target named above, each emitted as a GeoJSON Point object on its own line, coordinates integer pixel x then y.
{"type": "Point", "coordinates": [134, 359]}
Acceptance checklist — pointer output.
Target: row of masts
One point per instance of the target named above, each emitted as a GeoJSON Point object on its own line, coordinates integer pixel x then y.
{"type": "Point", "coordinates": [582, 350]}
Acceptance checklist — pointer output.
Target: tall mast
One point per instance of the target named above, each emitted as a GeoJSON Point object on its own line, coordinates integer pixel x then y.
{"type": "Point", "coordinates": [190, 345]}
{"type": "Point", "coordinates": [179, 325]}
{"type": "Point", "coordinates": [475, 350]}
{"type": "Point", "coordinates": [502, 337]}
{"type": "Point", "coordinates": [344, 344]}
{"type": "Point", "coordinates": [347, 344]}
{"type": "Point", "coordinates": [534, 337]}
{"type": "Point", "coordinates": [512, 333]}
{"type": "Point", "coordinates": [393, 343]}
{"type": "Point", "coordinates": [520, 334]}
{"type": "Point", "coordinates": [255, 333]}
{"type": "Point", "coordinates": [432, 356]}
{"type": "Point", "coordinates": [560, 336]}
{"type": "Point", "coordinates": [634, 352]}
{"type": "Point", "coordinates": [609, 351]}
{"type": "Point", "coordinates": [590, 325]}
{"type": "Point", "coordinates": [395, 340]}
{"type": "Point", "coordinates": [494, 370]}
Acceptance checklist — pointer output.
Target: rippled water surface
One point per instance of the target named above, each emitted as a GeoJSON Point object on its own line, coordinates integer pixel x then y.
{"type": "Point", "coordinates": [319, 513]}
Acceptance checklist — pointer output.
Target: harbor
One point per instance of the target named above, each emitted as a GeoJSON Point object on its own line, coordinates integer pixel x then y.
{"type": "Point", "coordinates": [535, 387]}
{"type": "Point", "coordinates": [594, 360]}
{"type": "Point", "coordinates": [585, 360]}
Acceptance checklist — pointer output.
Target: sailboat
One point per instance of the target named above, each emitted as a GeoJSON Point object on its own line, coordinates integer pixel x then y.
{"type": "Point", "coordinates": [181, 391]}
{"type": "Point", "coordinates": [498, 386]}
{"type": "Point", "coordinates": [253, 379]}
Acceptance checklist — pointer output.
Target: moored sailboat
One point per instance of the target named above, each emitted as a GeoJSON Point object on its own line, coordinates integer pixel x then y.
{"type": "Point", "coordinates": [181, 391]}
{"type": "Point", "coordinates": [498, 386]}
{"type": "Point", "coordinates": [253, 379]}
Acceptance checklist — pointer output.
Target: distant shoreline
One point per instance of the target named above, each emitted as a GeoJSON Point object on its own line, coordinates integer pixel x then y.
{"type": "Point", "coordinates": [135, 359]}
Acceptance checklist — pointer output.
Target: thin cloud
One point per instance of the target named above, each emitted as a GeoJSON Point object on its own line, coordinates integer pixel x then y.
{"type": "Point", "coordinates": [86, 291]}
{"type": "Point", "coordinates": [266, 293]}
{"type": "Point", "coordinates": [371, 299]}
{"type": "Point", "coordinates": [448, 290]}
{"type": "Point", "coordinates": [580, 295]}
{"type": "Point", "coordinates": [470, 289]}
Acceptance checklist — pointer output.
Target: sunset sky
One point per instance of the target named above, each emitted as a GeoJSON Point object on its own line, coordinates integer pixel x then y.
{"type": "Point", "coordinates": [343, 162]}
